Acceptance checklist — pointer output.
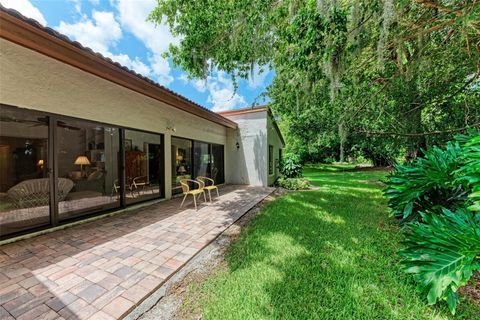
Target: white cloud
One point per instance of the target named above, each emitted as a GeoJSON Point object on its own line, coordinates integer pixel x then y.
{"type": "Point", "coordinates": [77, 4]}
{"type": "Point", "coordinates": [25, 8]}
{"type": "Point", "coordinates": [222, 93]}
{"type": "Point", "coordinates": [135, 64]}
{"type": "Point", "coordinates": [161, 69]}
{"type": "Point", "coordinates": [225, 99]}
{"type": "Point", "coordinates": [94, 2]}
{"type": "Point", "coordinates": [258, 79]}
{"type": "Point", "coordinates": [99, 34]}
{"type": "Point", "coordinates": [199, 84]}
{"type": "Point", "coordinates": [157, 39]}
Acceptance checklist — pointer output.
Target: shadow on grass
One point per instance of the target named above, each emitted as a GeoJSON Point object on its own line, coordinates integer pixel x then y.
{"type": "Point", "coordinates": [324, 254]}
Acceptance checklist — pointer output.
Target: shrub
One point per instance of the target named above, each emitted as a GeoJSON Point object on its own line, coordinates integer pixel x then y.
{"type": "Point", "coordinates": [442, 253]}
{"type": "Point", "coordinates": [427, 184]}
{"type": "Point", "coordinates": [469, 173]}
{"type": "Point", "coordinates": [294, 183]}
{"type": "Point", "coordinates": [291, 166]}
{"type": "Point", "coordinates": [441, 194]}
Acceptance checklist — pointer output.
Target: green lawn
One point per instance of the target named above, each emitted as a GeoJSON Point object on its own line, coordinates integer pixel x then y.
{"type": "Point", "coordinates": [321, 254]}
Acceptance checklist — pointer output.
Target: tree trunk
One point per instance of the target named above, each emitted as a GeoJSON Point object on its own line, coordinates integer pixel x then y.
{"type": "Point", "coordinates": [417, 143]}
{"type": "Point", "coordinates": [342, 135]}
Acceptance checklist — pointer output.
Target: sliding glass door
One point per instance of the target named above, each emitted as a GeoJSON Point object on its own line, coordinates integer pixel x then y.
{"type": "Point", "coordinates": [217, 164]}
{"type": "Point", "coordinates": [144, 158]}
{"type": "Point", "coordinates": [24, 171]}
{"type": "Point", "coordinates": [201, 159]}
{"type": "Point", "coordinates": [209, 161]}
{"type": "Point", "coordinates": [191, 159]}
{"type": "Point", "coordinates": [181, 162]}
{"type": "Point", "coordinates": [87, 156]}
{"type": "Point", "coordinates": [81, 160]}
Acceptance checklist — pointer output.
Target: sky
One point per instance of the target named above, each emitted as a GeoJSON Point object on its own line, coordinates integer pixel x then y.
{"type": "Point", "coordinates": [118, 30]}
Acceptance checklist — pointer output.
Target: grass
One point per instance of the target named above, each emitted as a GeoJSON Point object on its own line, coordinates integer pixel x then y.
{"type": "Point", "coordinates": [322, 254]}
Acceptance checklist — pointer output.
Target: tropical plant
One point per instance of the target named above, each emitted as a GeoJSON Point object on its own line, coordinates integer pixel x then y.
{"type": "Point", "coordinates": [290, 166]}
{"type": "Point", "coordinates": [427, 184]}
{"type": "Point", "coordinates": [470, 171]}
{"type": "Point", "coordinates": [442, 253]}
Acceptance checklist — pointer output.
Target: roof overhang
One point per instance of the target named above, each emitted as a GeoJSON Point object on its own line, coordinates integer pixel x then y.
{"type": "Point", "coordinates": [238, 112]}
{"type": "Point", "coordinates": [30, 34]}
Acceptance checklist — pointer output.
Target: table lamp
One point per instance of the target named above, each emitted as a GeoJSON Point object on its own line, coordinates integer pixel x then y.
{"type": "Point", "coordinates": [82, 161]}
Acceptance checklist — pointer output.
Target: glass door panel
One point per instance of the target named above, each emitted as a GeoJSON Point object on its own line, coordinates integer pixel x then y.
{"type": "Point", "coordinates": [201, 159]}
{"type": "Point", "coordinates": [87, 156]}
{"type": "Point", "coordinates": [181, 162]}
{"type": "Point", "coordinates": [24, 177]}
{"type": "Point", "coordinates": [217, 164]}
{"type": "Point", "coordinates": [143, 166]}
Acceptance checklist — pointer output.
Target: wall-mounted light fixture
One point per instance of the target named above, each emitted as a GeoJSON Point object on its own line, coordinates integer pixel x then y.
{"type": "Point", "coordinates": [170, 126]}
{"type": "Point", "coordinates": [237, 145]}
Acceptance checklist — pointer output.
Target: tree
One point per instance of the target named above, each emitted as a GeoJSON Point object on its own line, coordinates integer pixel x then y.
{"type": "Point", "coordinates": [348, 74]}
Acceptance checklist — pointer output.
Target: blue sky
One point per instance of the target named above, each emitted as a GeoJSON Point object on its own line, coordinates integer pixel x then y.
{"type": "Point", "coordinates": [117, 29]}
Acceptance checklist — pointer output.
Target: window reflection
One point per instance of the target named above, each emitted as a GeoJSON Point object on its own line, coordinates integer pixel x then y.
{"type": "Point", "coordinates": [88, 156]}
{"type": "Point", "coordinates": [217, 159]}
{"type": "Point", "coordinates": [24, 183]}
{"type": "Point", "coordinates": [143, 166]}
{"type": "Point", "coordinates": [181, 162]}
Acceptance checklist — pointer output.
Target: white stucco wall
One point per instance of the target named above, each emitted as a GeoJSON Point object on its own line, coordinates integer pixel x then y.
{"type": "Point", "coordinates": [31, 80]}
{"type": "Point", "coordinates": [248, 164]}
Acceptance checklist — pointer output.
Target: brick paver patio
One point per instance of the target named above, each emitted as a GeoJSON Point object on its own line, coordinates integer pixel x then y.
{"type": "Point", "coordinates": [103, 269]}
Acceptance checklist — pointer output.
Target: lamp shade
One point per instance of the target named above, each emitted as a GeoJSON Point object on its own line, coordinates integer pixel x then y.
{"type": "Point", "coordinates": [40, 162]}
{"type": "Point", "coordinates": [81, 160]}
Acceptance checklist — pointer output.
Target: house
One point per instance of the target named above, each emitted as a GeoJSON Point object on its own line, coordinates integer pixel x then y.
{"type": "Point", "coordinates": [82, 135]}
{"type": "Point", "coordinates": [259, 146]}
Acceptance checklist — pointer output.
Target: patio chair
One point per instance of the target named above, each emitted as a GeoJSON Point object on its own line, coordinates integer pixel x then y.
{"type": "Point", "coordinates": [195, 192]}
{"type": "Point", "coordinates": [115, 189]}
{"type": "Point", "coordinates": [140, 185]}
{"type": "Point", "coordinates": [209, 185]}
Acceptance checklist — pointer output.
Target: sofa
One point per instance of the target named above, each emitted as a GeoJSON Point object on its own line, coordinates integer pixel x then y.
{"type": "Point", "coordinates": [36, 192]}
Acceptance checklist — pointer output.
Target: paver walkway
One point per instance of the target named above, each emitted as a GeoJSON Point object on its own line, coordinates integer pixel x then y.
{"type": "Point", "coordinates": [103, 269]}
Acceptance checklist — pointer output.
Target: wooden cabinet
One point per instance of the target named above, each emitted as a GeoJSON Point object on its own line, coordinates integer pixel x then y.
{"type": "Point", "coordinates": [135, 165]}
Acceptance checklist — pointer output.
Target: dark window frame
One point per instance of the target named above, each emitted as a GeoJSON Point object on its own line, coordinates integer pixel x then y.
{"type": "Point", "coordinates": [270, 159]}
{"type": "Point", "coordinates": [280, 156]}
{"type": "Point", "coordinates": [192, 155]}
{"type": "Point", "coordinates": [52, 169]}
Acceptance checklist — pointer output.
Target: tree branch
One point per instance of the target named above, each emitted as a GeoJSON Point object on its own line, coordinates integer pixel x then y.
{"type": "Point", "coordinates": [434, 5]}
{"type": "Point", "coordinates": [400, 134]}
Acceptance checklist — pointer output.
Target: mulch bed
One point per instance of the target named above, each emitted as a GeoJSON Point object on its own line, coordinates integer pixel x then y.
{"type": "Point", "coordinates": [472, 291]}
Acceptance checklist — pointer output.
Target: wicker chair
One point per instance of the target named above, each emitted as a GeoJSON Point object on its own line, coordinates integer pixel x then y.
{"type": "Point", "coordinates": [209, 185]}
{"type": "Point", "coordinates": [36, 192]}
{"type": "Point", "coordinates": [195, 192]}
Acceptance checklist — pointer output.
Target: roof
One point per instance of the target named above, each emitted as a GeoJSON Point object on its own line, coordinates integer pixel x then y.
{"type": "Point", "coordinates": [30, 34]}
{"type": "Point", "coordinates": [238, 112]}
